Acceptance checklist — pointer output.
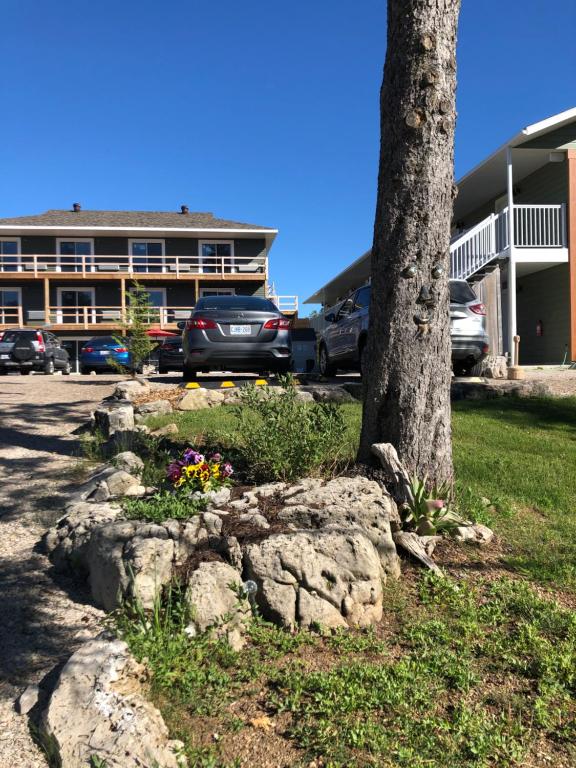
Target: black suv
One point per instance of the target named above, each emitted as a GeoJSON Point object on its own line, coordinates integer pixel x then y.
{"type": "Point", "coordinates": [26, 350]}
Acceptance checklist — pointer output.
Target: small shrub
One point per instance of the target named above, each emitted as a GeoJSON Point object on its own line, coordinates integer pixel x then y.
{"type": "Point", "coordinates": [161, 507]}
{"type": "Point", "coordinates": [283, 438]}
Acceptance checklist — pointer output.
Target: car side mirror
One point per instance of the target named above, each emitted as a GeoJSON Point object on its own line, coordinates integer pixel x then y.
{"type": "Point", "coordinates": [330, 317]}
{"type": "Point", "coordinates": [181, 325]}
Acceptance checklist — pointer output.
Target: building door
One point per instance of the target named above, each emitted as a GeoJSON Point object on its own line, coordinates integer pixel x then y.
{"type": "Point", "coordinates": [71, 304]}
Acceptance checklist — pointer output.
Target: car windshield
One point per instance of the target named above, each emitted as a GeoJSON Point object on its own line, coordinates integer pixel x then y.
{"type": "Point", "coordinates": [11, 337]}
{"type": "Point", "coordinates": [247, 303]}
{"type": "Point", "coordinates": [460, 292]}
{"type": "Point", "coordinates": [106, 341]}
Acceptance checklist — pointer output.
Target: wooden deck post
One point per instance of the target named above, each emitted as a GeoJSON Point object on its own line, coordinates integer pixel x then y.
{"type": "Point", "coordinates": [46, 300]}
{"type": "Point", "coordinates": [122, 299]}
{"type": "Point", "coordinates": [571, 222]}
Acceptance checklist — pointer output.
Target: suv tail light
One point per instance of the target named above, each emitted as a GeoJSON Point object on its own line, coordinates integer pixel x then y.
{"type": "Point", "coordinates": [278, 323]}
{"type": "Point", "coordinates": [200, 322]}
{"type": "Point", "coordinates": [478, 309]}
{"type": "Point", "coordinates": [40, 340]}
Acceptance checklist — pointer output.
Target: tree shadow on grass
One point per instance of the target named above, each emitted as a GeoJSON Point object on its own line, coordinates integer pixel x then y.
{"type": "Point", "coordinates": [536, 412]}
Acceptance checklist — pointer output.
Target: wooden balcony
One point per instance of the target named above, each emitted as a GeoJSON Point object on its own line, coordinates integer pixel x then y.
{"type": "Point", "coordinates": [134, 267]}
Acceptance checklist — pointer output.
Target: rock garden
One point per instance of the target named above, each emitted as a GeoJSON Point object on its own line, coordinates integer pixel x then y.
{"type": "Point", "coordinates": [217, 558]}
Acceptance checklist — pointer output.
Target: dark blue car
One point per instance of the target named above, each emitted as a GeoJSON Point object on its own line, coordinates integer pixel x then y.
{"type": "Point", "coordinates": [97, 354]}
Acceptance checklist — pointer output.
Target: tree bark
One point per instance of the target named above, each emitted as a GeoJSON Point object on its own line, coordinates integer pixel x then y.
{"type": "Point", "coordinates": [407, 382]}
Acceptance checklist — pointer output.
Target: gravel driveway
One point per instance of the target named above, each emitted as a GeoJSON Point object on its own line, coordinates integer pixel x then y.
{"type": "Point", "coordinates": [41, 620]}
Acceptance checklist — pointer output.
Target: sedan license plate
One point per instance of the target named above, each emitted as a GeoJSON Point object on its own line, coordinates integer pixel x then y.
{"type": "Point", "coordinates": [240, 330]}
{"type": "Point", "coordinates": [104, 352]}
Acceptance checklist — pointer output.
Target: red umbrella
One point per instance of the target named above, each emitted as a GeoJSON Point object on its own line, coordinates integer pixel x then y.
{"type": "Point", "coordinates": [158, 333]}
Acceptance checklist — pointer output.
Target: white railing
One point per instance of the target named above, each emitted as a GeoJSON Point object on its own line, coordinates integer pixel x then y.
{"type": "Point", "coordinates": [285, 303]}
{"type": "Point", "coordinates": [540, 226]}
{"type": "Point", "coordinates": [472, 250]}
{"type": "Point", "coordinates": [535, 226]}
{"type": "Point", "coordinates": [11, 316]}
{"type": "Point", "coordinates": [179, 266]}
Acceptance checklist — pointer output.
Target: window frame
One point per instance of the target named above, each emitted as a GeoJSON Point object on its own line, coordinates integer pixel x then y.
{"type": "Point", "coordinates": [139, 240]}
{"type": "Point", "coordinates": [60, 314]}
{"type": "Point", "coordinates": [89, 258]}
{"type": "Point", "coordinates": [201, 257]}
{"type": "Point", "coordinates": [18, 254]}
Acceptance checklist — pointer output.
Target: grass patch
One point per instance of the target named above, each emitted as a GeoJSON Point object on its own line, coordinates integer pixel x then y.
{"type": "Point", "coordinates": [521, 453]}
{"type": "Point", "coordinates": [472, 677]}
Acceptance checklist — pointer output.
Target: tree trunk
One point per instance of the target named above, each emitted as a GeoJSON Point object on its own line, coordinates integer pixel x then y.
{"type": "Point", "coordinates": [407, 381]}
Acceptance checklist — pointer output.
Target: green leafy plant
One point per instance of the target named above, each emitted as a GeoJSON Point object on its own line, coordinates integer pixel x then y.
{"type": "Point", "coordinates": [283, 438]}
{"type": "Point", "coordinates": [162, 506]}
{"type": "Point", "coordinates": [430, 509]}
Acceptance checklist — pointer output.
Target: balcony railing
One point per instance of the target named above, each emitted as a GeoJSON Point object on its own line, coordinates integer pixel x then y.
{"type": "Point", "coordinates": [285, 303]}
{"type": "Point", "coordinates": [535, 226]}
{"type": "Point", "coordinates": [13, 316]}
{"type": "Point", "coordinates": [179, 266]}
{"type": "Point", "coordinates": [90, 316]}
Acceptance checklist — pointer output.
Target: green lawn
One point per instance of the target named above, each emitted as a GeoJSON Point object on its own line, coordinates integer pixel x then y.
{"type": "Point", "coordinates": [465, 672]}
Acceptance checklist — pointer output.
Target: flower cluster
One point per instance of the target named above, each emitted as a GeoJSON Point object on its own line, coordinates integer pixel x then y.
{"type": "Point", "coordinates": [198, 472]}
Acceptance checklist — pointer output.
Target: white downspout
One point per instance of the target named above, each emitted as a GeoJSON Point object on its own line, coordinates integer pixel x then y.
{"type": "Point", "coordinates": [511, 261]}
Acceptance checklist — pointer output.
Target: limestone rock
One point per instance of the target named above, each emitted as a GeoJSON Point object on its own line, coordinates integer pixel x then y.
{"type": "Point", "coordinates": [111, 418]}
{"type": "Point", "coordinates": [67, 542]}
{"type": "Point", "coordinates": [98, 708]}
{"type": "Point", "coordinates": [473, 534]}
{"type": "Point", "coordinates": [326, 577]}
{"type": "Point", "coordinates": [155, 408]}
{"type": "Point", "coordinates": [129, 462]}
{"type": "Point", "coordinates": [345, 503]}
{"type": "Point", "coordinates": [134, 559]}
{"type": "Point", "coordinates": [165, 431]}
{"type": "Point", "coordinates": [27, 699]}
{"type": "Point", "coordinates": [127, 390]}
{"type": "Point", "coordinates": [120, 482]}
{"type": "Point", "coordinates": [196, 399]}
{"type": "Point", "coordinates": [214, 596]}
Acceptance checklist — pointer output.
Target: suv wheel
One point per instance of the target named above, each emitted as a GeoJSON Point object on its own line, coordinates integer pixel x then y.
{"type": "Point", "coordinates": [49, 367]}
{"type": "Point", "coordinates": [25, 371]}
{"type": "Point", "coordinates": [67, 370]}
{"type": "Point", "coordinates": [326, 367]}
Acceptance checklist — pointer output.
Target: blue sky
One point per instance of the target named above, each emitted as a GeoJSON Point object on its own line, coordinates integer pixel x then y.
{"type": "Point", "coordinates": [263, 112]}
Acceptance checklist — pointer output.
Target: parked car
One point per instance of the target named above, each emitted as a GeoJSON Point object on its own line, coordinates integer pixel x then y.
{"type": "Point", "coordinates": [343, 343]}
{"type": "Point", "coordinates": [236, 333]}
{"type": "Point", "coordinates": [170, 355]}
{"type": "Point", "coordinates": [26, 350]}
{"type": "Point", "coordinates": [97, 354]}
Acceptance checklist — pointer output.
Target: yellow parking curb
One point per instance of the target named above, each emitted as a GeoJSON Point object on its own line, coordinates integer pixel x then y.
{"type": "Point", "coordinates": [192, 385]}
{"type": "Point", "coordinates": [226, 384]}
{"type": "Point", "coordinates": [261, 383]}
